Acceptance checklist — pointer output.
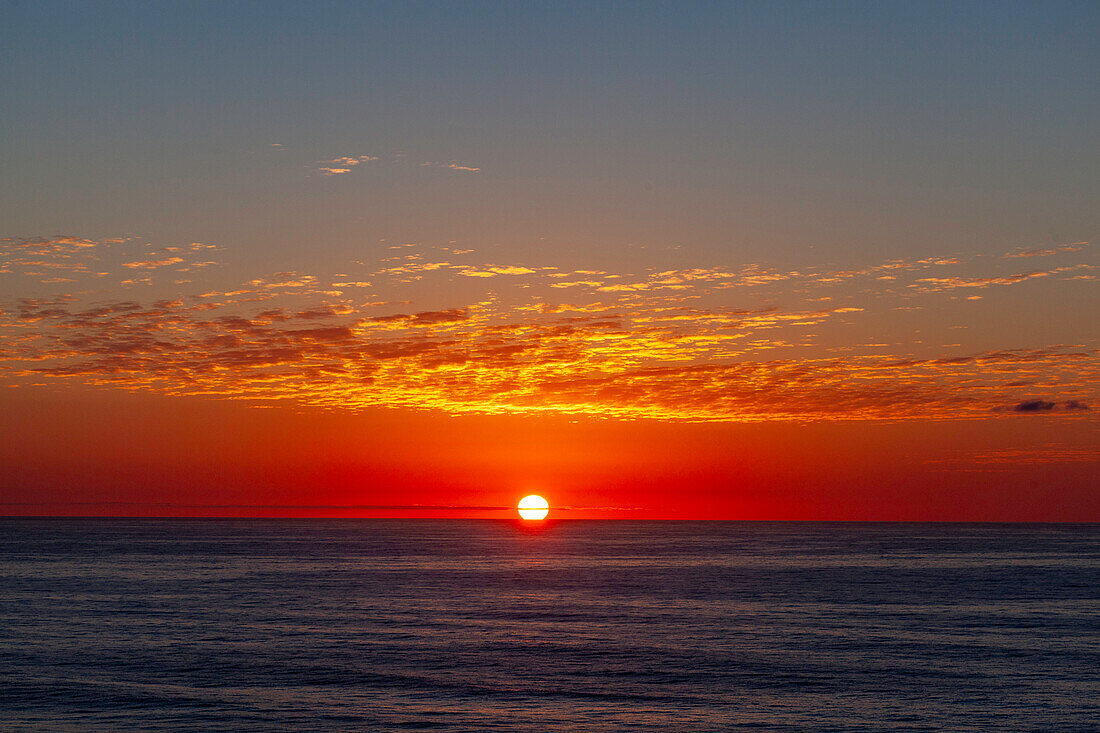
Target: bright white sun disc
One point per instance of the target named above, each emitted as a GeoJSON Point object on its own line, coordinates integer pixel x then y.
{"type": "Point", "coordinates": [533, 507]}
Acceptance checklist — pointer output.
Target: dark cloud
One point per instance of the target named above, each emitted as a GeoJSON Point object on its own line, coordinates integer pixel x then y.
{"type": "Point", "coordinates": [1032, 406]}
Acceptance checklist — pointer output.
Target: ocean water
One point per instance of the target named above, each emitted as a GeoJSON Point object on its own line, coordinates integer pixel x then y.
{"type": "Point", "coordinates": [363, 625]}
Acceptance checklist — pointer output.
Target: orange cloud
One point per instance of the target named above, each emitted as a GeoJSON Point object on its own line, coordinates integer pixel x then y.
{"type": "Point", "coordinates": [153, 264]}
{"type": "Point", "coordinates": [661, 345]}
{"type": "Point", "coordinates": [1046, 252]}
{"type": "Point", "coordinates": [667, 364]}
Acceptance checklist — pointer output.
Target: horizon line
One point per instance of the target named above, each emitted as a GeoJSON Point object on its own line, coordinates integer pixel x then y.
{"type": "Point", "coordinates": [7, 517]}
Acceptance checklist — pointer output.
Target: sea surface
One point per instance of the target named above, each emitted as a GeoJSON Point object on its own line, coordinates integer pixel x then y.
{"type": "Point", "coordinates": [452, 625]}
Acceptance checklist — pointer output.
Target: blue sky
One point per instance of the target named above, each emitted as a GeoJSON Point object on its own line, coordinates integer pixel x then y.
{"type": "Point", "coordinates": [848, 126]}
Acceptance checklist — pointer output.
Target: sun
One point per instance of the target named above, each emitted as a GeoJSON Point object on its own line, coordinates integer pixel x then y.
{"type": "Point", "coordinates": [533, 507]}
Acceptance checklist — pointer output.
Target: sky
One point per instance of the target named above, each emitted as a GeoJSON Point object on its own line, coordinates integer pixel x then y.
{"type": "Point", "coordinates": [805, 261]}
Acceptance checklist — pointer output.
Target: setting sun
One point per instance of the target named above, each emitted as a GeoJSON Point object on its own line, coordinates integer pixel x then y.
{"type": "Point", "coordinates": [533, 507]}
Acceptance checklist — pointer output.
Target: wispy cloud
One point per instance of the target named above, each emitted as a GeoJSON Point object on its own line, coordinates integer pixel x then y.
{"type": "Point", "coordinates": [934, 284]}
{"type": "Point", "coordinates": [344, 164]}
{"type": "Point", "coordinates": [155, 505]}
{"type": "Point", "coordinates": [153, 264]}
{"type": "Point", "coordinates": [1047, 251]}
{"type": "Point", "coordinates": [457, 167]}
{"type": "Point", "coordinates": [1006, 458]}
{"type": "Point", "coordinates": [65, 259]}
{"type": "Point", "coordinates": [347, 163]}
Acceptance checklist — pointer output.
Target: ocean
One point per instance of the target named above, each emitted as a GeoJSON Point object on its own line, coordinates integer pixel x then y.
{"type": "Point", "coordinates": [454, 625]}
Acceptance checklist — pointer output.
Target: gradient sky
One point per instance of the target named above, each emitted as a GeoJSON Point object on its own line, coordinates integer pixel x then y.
{"type": "Point", "coordinates": [683, 260]}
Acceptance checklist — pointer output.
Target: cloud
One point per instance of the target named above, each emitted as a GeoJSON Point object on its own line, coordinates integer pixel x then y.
{"type": "Point", "coordinates": [1049, 453]}
{"type": "Point", "coordinates": [662, 344]}
{"type": "Point", "coordinates": [1033, 406]}
{"type": "Point", "coordinates": [933, 284]}
{"type": "Point", "coordinates": [30, 255]}
{"type": "Point", "coordinates": [153, 264]}
{"type": "Point", "coordinates": [424, 318]}
{"type": "Point", "coordinates": [1046, 252]}
{"type": "Point", "coordinates": [673, 363]}
{"type": "Point", "coordinates": [44, 245]}
{"type": "Point", "coordinates": [693, 282]}
{"type": "Point", "coordinates": [344, 164]}
{"type": "Point", "coordinates": [1040, 406]}
{"type": "Point", "coordinates": [493, 271]}
{"type": "Point", "coordinates": [292, 507]}
{"type": "Point", "coordinates": [67, 259]}
{"type": "Point", "coordinates": [284, 280]}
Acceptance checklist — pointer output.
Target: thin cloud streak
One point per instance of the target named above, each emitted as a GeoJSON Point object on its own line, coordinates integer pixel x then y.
{"type": "Point", "coordinates": [347, 163]}
{"type": "Point", "coordinates": [310, 507]}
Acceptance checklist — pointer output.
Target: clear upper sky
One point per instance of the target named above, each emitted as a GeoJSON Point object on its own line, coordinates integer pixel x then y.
{"type": "Point", "coordinates": [848, 126]}
{"type": "Point", "coordinates": [729, 214]}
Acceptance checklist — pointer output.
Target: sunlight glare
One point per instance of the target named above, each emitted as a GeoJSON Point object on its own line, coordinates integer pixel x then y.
{"type": "Point", "coordinates": [533, 507]}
